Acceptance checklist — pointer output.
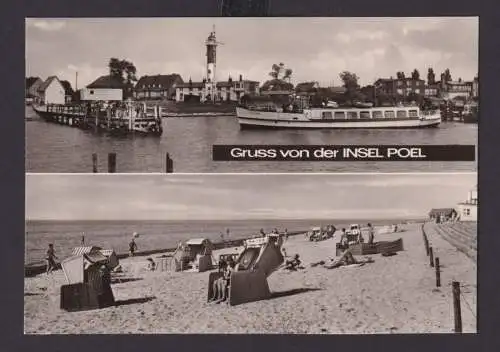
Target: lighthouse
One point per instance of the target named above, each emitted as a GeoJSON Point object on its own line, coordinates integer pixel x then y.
{"type": "Point", "coordinates": [211, 44]}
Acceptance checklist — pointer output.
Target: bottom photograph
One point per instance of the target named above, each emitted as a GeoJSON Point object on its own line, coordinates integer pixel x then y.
{"type": "Point", "coordinates": [251, 254]}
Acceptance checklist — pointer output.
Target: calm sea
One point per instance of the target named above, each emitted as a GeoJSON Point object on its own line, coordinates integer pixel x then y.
{"type": "Point", "coordinates": [189, 140]}
{"type": "Point", "coordinates": [65, 235]}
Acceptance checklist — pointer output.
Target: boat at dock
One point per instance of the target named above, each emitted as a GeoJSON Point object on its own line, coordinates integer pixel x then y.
{"type": "Point", "coordinates": [338, 118]}
{"type": "Point", "coordinates": [122, 118]}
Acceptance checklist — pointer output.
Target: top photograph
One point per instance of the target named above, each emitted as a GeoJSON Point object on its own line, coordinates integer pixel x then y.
{"type": "Point", "coordinates": [251, 95]}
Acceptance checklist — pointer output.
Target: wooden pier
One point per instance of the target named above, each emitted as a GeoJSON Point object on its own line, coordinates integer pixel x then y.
{"type": "Point", "coordinates": [138, 118]}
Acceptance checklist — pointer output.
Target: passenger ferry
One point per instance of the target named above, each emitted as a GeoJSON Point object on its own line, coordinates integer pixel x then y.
{"type": "Point", "coordinates": [339, 118]}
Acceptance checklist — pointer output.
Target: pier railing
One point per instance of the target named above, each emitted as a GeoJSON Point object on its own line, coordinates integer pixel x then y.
{"type": "Point", "coordinates": [112, 161]}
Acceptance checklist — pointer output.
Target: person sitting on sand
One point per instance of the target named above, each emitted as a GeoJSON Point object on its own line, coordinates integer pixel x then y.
{"type": "Point", "coordinates": [293, 264]}
{"type": "Point", "coordinates": [345, 259]}
{"type": "Point", "coordinates": [262, 233]}
{"type": "Point", "coordinates": [151, 264]}
{"type": "Point", "coordinates": [221, 284]}
{"type": "Point", "coordinates": [50, 258]}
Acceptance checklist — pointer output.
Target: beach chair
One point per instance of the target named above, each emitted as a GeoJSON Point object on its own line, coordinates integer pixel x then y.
{"type": "Point", "coordinates": [248, 282]}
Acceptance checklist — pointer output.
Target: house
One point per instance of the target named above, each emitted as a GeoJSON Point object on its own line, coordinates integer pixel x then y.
{"type": "Point", "coordinates": [431, 90]}
{"type": "Point", "coordinates": [68, 91]}
{"type": "Point", "coordinates": [105, 88]}
{"type": "Point", "coordinates": [31, 88]}
{"type": "Point", "coordinates": [453, 89]}
{"type": "Point", "coordinates": [400, 87]}
{"type": "Point", "coordinates": [306, 88]}
{"type": "Point", "coordinates": [475, 87]}
{"type": "Point", "coordinates": [219, 91]}
{"type": "Point", "coordinates": [157, 87]}
{"type": "Point", "coordinates": [467, 210]}
{"type": "Point", "coordinates": [442, 214]}
{"type": "Point", "coordinates": [52, 91]}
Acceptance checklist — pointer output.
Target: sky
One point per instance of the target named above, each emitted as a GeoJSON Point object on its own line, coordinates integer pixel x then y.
{"type": "Point", "coordinates": [242, 197]}
{"type": "Point", "coordinates": [316, 49]}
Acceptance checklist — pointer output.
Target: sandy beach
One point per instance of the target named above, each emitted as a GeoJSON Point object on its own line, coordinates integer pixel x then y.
{"type": "Point", "coordinates": [395, 294]}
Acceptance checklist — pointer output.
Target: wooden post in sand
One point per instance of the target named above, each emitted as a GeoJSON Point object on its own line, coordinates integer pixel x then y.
{"type": "Point", "coordinates": [438, 273]}
{"type": "Point", "coordinates": [456, 306]}
{"type": "Point", "coordinates": [94, 162]}
{"type": "Point", "coordinates": [111, 162]}
{"type": "Point", "coordinates": [169, 164]}
{"type": "Point", "coordinates": [431, 257]}
{"type": "Point", "coordinates": [426, 245]}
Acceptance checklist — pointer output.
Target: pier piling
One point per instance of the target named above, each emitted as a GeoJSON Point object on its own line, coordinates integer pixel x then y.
{"type": "Point", "coordinates": [111, 162]}
{"type": "Point", "coordinates": [94, 162]}
{"type": "Point", "coordinates": [438, 273]}
{"type": "Point", "coordinates": [456, 306]}
{"type": "Point", "coordinates": [169, 164]}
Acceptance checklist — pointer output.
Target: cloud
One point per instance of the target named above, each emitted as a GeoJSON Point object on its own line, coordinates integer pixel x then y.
{"type": "Point", "coordinates": [46, 25]}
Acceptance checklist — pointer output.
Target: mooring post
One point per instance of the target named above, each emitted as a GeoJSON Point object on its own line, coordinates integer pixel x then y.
{"type": "Point", "coordinates": [111, 162]}
{"type": "Point", "coordinates": [427, 246]}
{"type": "Point", "coordinates": [94, 162]}
{"type": "Point", "coordinates": [438, 273]}
{"type": "Point", "coordinates": [456, 306]}
{"type": "Point", "coordinates": [431, 257]}
{"type": "Point", "coordinates": [169, 164]}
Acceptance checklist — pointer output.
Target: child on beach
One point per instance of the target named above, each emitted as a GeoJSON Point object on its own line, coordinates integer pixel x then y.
{"type": "Point", "coordinates": [50, 258]}
{"type": "Point", "coordinates": [371, 234]}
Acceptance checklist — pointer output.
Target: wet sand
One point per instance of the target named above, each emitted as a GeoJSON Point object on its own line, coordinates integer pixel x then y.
{"type": "Point", "coordinates": [394, 294]}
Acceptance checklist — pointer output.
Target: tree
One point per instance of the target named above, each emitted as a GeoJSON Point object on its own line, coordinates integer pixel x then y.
{"type": "Point", "coordinates": [350, 83]}
{"type": "Point", "coordinates": [400, 75]}
{"type": "Point", "coordinates": [281, 77]}
{"type": "Point", "coordinates": [125, 71]}
{"type": "Point", "coordinates": [431, 77]}
{"type": "Point", "coordinates": [279, 71]}
{"type": "Point", "coordinates": [415, 75]}
{"type": "Point", "coordinates": [447, 75]}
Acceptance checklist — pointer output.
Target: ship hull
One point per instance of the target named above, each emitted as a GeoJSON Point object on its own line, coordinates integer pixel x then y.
{"type": "Point", "coordinates": [249, 119]}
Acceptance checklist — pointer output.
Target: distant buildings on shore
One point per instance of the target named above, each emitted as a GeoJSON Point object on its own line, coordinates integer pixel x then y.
{"type": "Point", "coordinates": [464, 211]}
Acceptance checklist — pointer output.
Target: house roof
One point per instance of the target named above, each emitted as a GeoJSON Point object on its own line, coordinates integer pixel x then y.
{"type": "Point", "coordinates": [67, 87]}
{"type": "Point", "coordinates": [306, 86]}
{"type": "Point", "coordinates": [106, 82]}
{"type": "Point", "coordinates": [47, 83]}
{"type": "Point", "coordinates": [442, 211]}
{"type": "Point", "coordinates": [31, 80]}
{"type": "Point", "coordinates": [158, 81]}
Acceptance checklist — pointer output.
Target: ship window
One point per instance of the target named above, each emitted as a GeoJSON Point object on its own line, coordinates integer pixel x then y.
{"type": "Point", "coordinates": [364, 115]}
{"type": "Point", "coordinates": [413, 113]}
{"type": "Point", "coordinates": [389, 114]}
{"type": "Point", "coordinates": [352, 114]}
{"type": "Point", "coordinates": [91, 92]}
{"type": "Point", "coordinates": [401, 114]}
{"type": "Point", "coordinates": [339, 115]}
{"type": "Point", "coordinates": [327, 115]}
{"type": "Point", "coordinates": [377, 114]}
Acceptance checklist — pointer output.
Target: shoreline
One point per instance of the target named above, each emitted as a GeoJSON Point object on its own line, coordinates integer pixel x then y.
{"type": "Point", "coordinates": [34, 269]}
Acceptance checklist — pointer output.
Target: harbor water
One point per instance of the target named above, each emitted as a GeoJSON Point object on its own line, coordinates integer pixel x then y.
{"type": "Point", "coordinates": [55, 148]}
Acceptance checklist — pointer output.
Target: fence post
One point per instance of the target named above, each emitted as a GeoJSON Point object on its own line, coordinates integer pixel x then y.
{"type": "Point", "coordinates": [94, 162]}
{"type": "Point", "coordinates": [438, 273]}
{"type": "Point", "coordinates": [456, 306]}
{"type": "Point", "coordinates": [426, 246]}
{"type": "Point", "coordinates": [111, 162]}
{"type": "Point", "coordinates": [431, 257]}
{"type": "Point", "coordinates": [169, 164]}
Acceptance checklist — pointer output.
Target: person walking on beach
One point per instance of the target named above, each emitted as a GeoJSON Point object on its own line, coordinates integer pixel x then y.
{"type": "Point", "coordinates": [50, 258]}
{"type": "Point", "coordinates": [83, 239]}
{"type": "Point", "coordinates": [371, 234]}
{"type": "Point", "coordinates": [286, 234]}
{"type": "Point", "coordinates": [132, 247]}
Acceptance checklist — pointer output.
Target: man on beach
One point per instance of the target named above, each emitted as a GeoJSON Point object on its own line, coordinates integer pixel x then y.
{"type": "Point", "coordinates": [50, 258]}
{"type": "Point", "coordinates": [132, 247]}
{"type": "Point", "coordinates": [371, 233]}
